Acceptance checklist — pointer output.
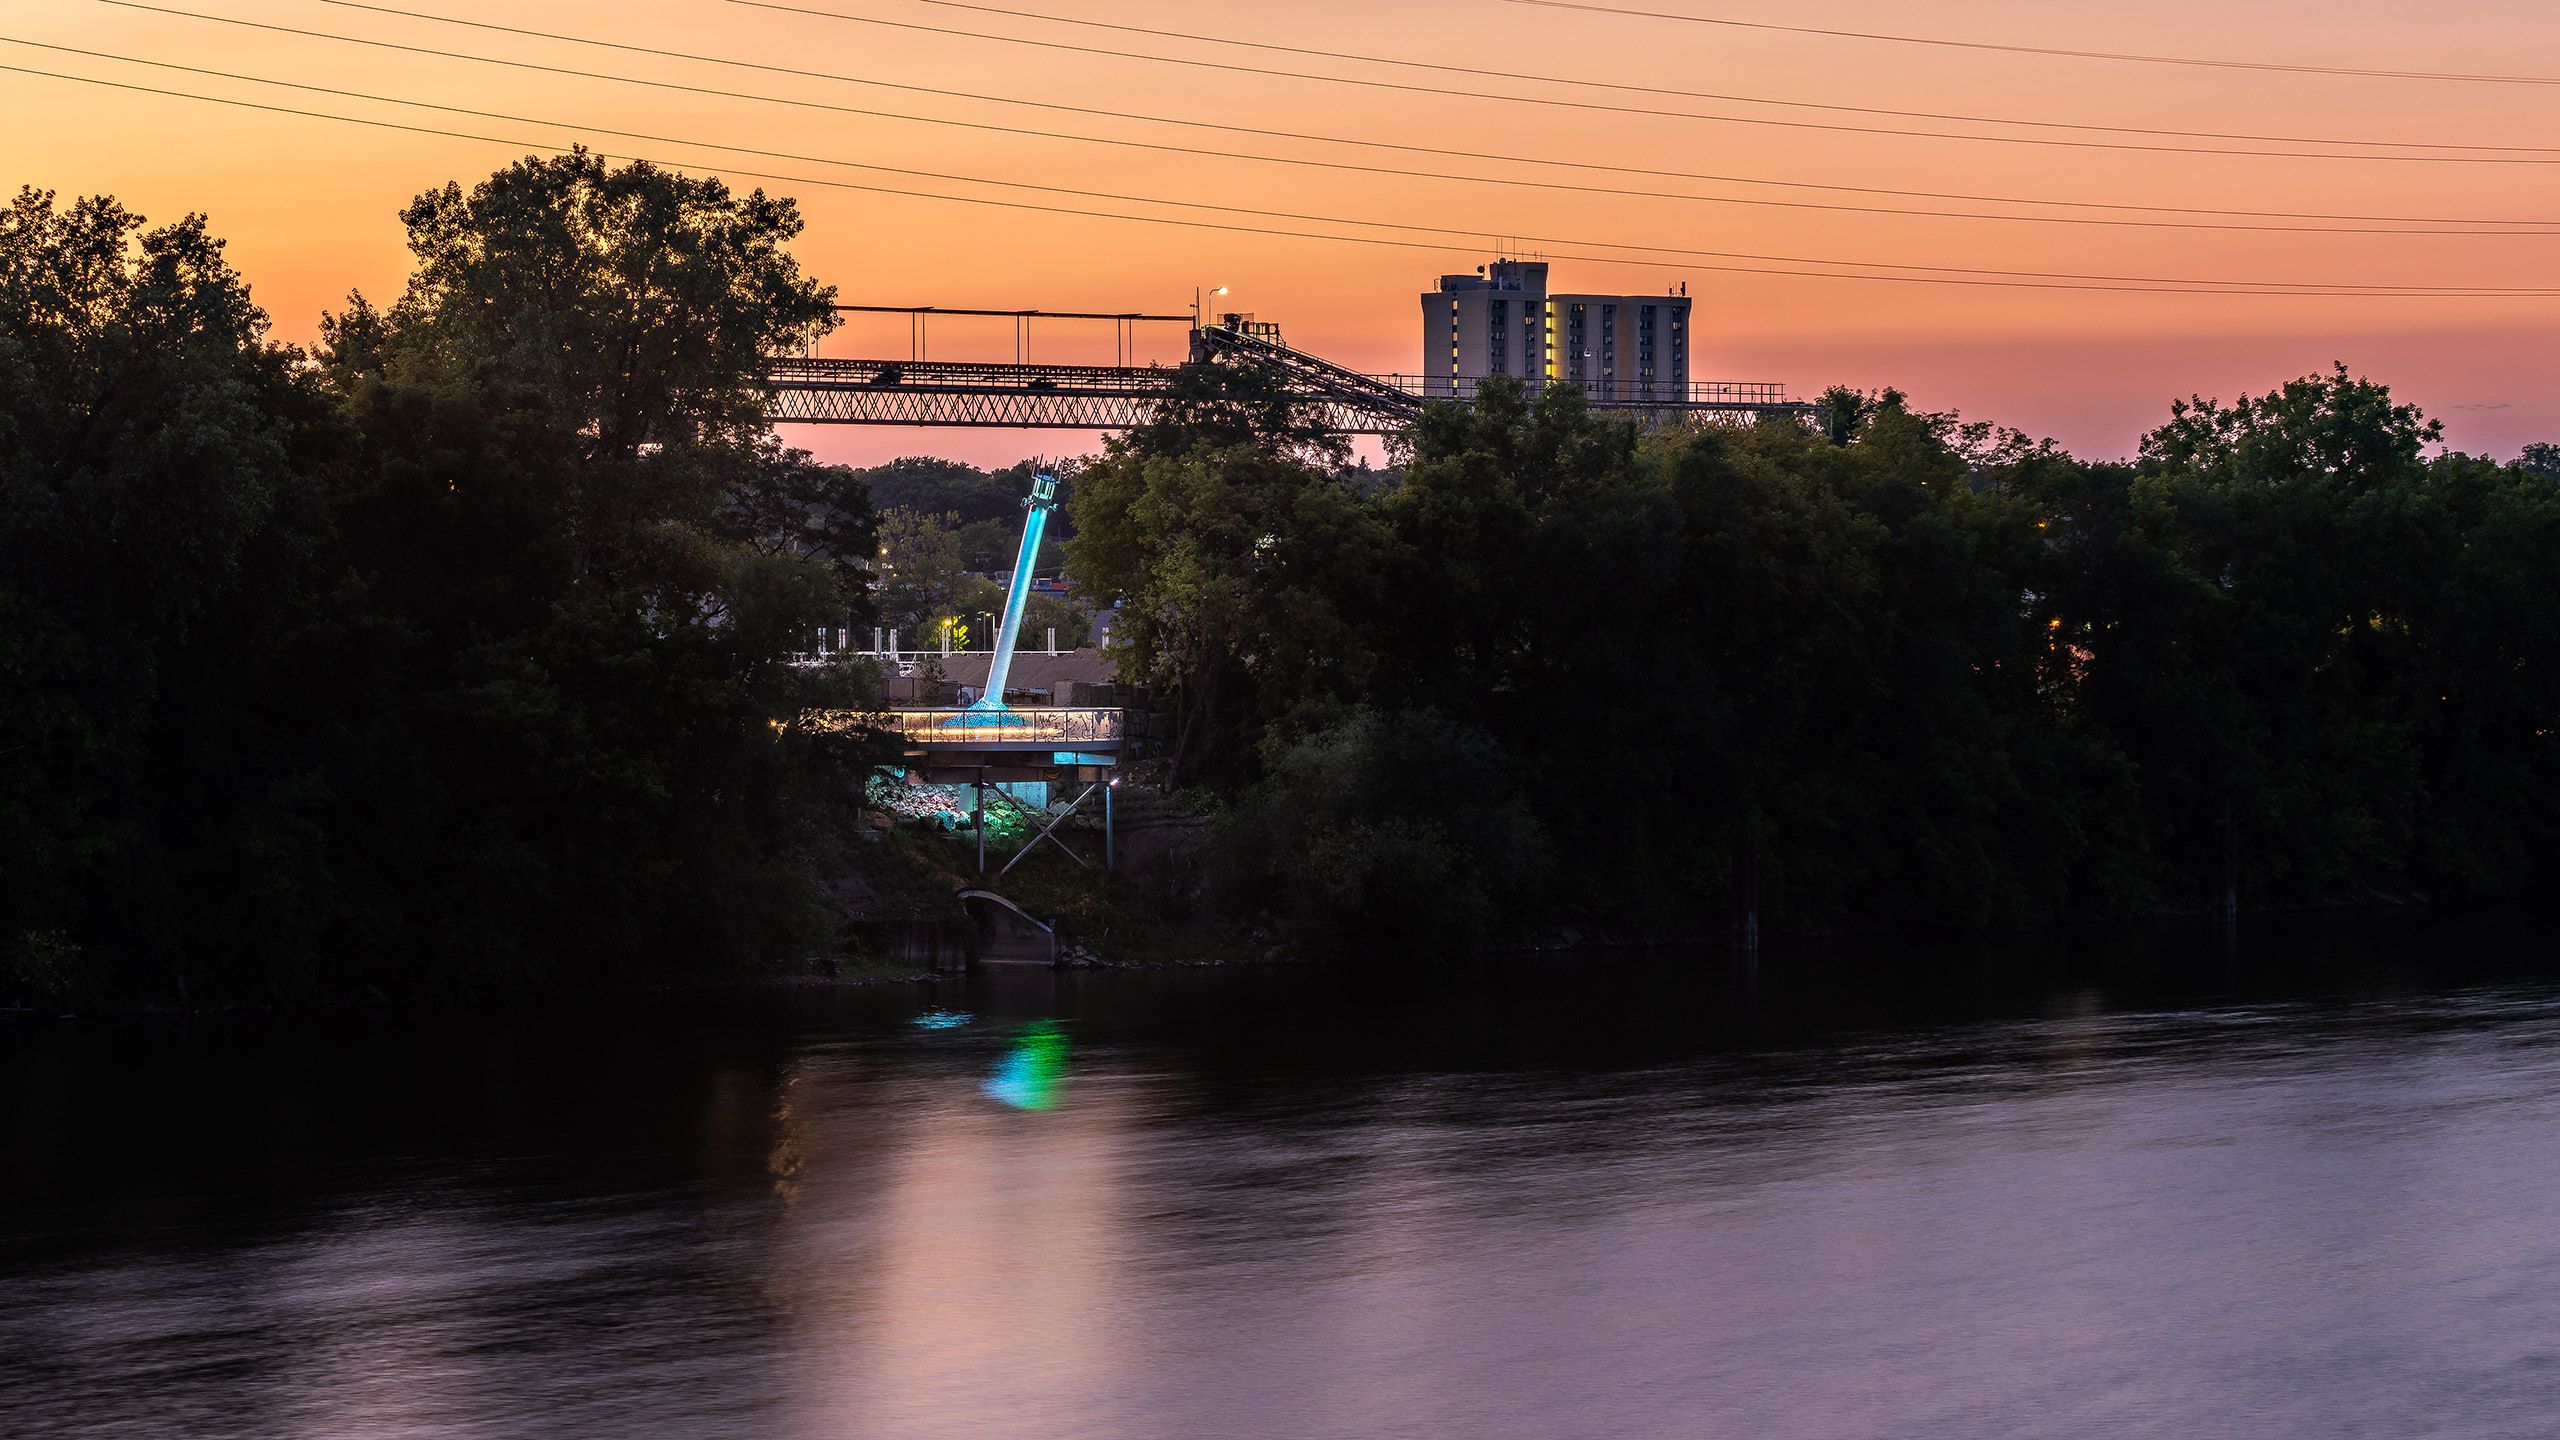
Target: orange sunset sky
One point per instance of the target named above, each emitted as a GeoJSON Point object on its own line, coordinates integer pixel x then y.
{"type": "Point", "coordinates": [308, 204]}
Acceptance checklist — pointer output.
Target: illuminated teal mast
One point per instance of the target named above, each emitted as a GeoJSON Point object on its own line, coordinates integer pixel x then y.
{"type": "Point", "coordinates": [1044, 497]}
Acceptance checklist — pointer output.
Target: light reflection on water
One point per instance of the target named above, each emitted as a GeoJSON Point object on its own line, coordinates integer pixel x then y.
{"type": "Point", "coordinates": [1028, 1076]}
{"type": "Point", "coordinates": [1607, 1199]}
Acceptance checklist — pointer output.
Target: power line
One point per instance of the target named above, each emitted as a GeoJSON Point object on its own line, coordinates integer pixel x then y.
{"type": "Point", "coordinates": [2379, 224]}
{"type": "Point", "coordinates": [2196, 61]}
{"type": "Point", "coordinates": [1594, 105]}
{"type": "Point", "coordinates": [1435, 247]}
{"type": "Point", "coordinates": [1293, 216]}
{"type": "Point", "coordinates": [1623, 87]}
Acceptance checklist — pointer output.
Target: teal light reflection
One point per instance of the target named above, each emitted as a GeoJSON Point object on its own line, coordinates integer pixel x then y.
{"type": "Point", "coordinates": [1029, 1075]}
{"type": "Point", "coordinates": [942, 1019]}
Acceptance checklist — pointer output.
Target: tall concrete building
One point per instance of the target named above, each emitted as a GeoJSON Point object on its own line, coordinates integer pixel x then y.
{"type": "Point", "coordinates": [1502, 321]}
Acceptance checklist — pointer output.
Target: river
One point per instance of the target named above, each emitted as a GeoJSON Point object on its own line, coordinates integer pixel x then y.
{"type": "Point", "coordinates": [2140, 1184]}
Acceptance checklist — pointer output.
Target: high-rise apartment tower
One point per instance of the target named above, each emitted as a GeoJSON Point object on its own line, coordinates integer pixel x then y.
{"type": "Point", "coordinates": [1502, 321]}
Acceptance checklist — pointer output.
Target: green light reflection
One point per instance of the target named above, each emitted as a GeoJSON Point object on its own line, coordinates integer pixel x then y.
{"type": "Point", "coordinates": [1029, 1075]}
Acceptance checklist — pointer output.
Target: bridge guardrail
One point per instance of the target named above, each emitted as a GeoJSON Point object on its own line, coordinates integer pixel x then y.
{"type": "Point", "coordinates": [1057, 727]}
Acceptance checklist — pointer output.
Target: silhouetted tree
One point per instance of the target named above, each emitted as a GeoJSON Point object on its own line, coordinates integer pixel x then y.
{"type": "Point", "coordinates": [457, 654]}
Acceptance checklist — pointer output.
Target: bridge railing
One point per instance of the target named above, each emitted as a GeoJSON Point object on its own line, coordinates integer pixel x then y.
{"type": "Point", "coordinates": [966, 375]}
{"type": "Point", "coordinates": [1059, 727]}
{"type": "Point", "coordinates": [1154, 380]}
{"type": "Point", "coordinates": [1118, 397]}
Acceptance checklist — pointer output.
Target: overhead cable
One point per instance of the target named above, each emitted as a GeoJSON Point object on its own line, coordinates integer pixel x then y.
{"type": "Point", "coordinates": [1558, 102]}
{"type": "Point", "coordinates": [2351, 224]}
{"type": "Point", "coordinates": [1975, 279]}
{"type": "Point", "coordinates": [1679, 94]}
{"type": "Point", "coordinates": [1089, 192]}
{"type": "Point", "coordinates": [2197, 61]}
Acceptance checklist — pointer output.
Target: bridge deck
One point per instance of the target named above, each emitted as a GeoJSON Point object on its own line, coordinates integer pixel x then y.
{"type": "Point", "coordinates": [1021, 728]}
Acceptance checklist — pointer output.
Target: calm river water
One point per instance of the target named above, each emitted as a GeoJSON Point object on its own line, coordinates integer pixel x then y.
{"type": "Point", "coordinates": [2308, 1185]}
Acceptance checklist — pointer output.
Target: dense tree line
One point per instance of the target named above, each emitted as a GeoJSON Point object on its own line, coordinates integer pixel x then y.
{"type": "Point", "coordinates": [1930, 673]}
{"type": "Point", "coordinates": [970, 496]}
{"type": "Point", "coordinates": [458, 651]}
{"type": "Point", "coordinates": [450, 653]}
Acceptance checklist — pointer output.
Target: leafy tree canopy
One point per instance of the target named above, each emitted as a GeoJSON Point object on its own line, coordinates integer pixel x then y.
{"type": "Point", "coordinates": [459, 657]}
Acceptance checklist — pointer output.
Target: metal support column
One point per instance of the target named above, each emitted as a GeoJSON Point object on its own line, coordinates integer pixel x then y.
{"type": "Point", "coordinates": [1035, 520]}
{"type": "Point", "coordinates": [979, 821]}
{"type": "Point", "coordinates": [1110, 865]}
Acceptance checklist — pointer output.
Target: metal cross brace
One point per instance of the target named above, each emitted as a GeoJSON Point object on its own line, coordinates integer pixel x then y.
{"type": "Point", "coordinates": [1034, 842]}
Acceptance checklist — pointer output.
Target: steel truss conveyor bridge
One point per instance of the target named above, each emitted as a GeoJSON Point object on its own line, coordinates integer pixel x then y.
{"type": "Point", "coordinates": [1025, 395]}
